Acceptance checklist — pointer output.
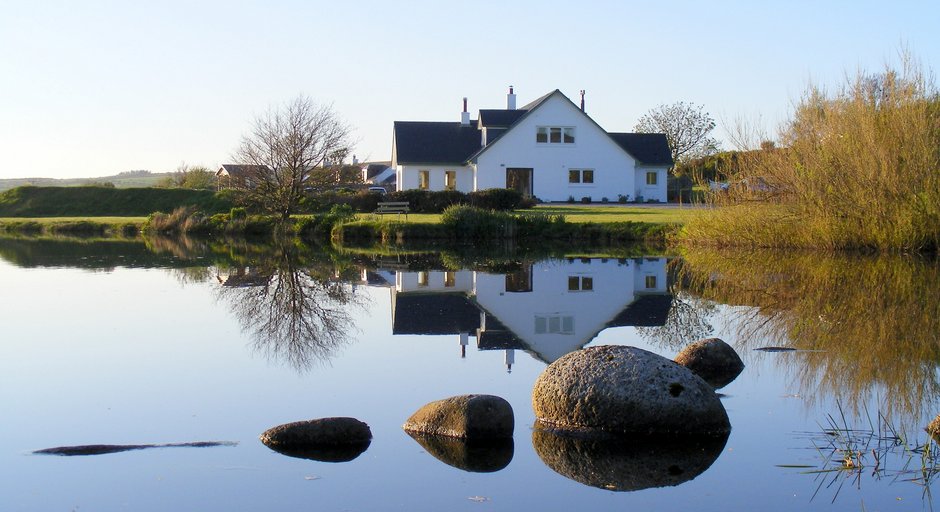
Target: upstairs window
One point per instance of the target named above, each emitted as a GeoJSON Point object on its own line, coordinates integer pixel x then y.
{"type": "Point", "coordinates": [581, 176]}
{"type": "Point", "coordinates": [554, 135]}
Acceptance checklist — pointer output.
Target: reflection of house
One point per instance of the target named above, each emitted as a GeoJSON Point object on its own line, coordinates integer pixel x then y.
{"type": "Point", "coordinates": [549, 309]}
{"type": "Point", "coordinates": [242, 277]}
{"type": "Point", "coordinates": [238, 176]}
{"type": "Point", "coordinates": [549, 149]}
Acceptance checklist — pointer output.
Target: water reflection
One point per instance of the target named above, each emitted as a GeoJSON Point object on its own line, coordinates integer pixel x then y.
{"type": "Point", "coordinates": [861, 325]}
{"type": "Point", "coordinates": [547, 308]}
{"type": "Point", "coordinates": [628, 464]}
{"type": "Point", "coordinates": [295, 310]}
{"type": "Point", "coordinates": [485, 456]}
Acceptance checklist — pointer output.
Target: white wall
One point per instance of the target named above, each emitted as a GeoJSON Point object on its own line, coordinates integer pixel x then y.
{"type": "Point", "coordinates": [436, 281]}
{"type": "Point", "coordinates": [408, 177]}
{"type": "Point", "coordinates": [656, 192]}
{"type": "Point", "coordinates": [614, 169]}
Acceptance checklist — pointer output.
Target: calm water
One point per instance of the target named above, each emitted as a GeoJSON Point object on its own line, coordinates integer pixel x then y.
{"type": "Point", "coordinates": [180, 341]}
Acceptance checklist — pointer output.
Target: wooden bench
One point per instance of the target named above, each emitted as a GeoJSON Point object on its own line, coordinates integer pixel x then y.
{"type": "Point", "coordinates": [393, 207]}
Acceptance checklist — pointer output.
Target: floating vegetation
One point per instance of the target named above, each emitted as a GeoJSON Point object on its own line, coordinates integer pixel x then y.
{"type": "Point", "coordinates": [847, 453]}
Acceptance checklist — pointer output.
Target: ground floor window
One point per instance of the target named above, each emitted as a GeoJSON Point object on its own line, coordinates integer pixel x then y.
{"type": "Point", "coordinates": [581, 176]}
{"type": "Point", "coordinates": [651, 178]}
{"type": "Point", "coordinates": [650, 282]}
{"type": "Point", "coordinates": [424, 179]}
{"type": "Point", "coordinates": [450, 180]}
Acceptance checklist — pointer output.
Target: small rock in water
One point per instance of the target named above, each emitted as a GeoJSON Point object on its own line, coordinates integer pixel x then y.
{"type": "Point", "coordinates": [713, 360]}
{"type": "Point", "coordinates": [324, 439]}
{"type": "Point", "coordinates": [464, 417]}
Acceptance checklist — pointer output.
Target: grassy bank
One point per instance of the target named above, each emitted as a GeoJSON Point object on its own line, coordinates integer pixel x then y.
{"type": "Point", "coordinates": [105, 201]}
{"type": "Point", "coordinates": [593, 225]}
{"type": "Point", "coordinates": [74, 226]}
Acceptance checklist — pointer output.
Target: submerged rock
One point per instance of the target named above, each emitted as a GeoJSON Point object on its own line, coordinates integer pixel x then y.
{"type": "Point", "coordinates": [478, 456]}
{"type": "Point", "coordinates": [324, 439]}
{"type": "Point", "coordinates": [713, 360]}
{"type": "Point", "coordinates": [614, 390]}
{"type": "Point", "coordinates": [629, 463]}
{"type": "Point", "coordinates": [464, 417]}
{"type": "Point", "coordinates": [103, 449]}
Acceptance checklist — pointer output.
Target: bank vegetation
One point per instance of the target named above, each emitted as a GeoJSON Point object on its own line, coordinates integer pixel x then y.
{"type": "Point", "coordinates": [858, 168]}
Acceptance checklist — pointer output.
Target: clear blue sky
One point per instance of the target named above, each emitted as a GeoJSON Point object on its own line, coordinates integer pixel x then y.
{"type": "Point", "coordinates": [92, 88]}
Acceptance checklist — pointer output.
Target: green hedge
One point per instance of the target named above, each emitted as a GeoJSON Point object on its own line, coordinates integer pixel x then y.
{"type": "Point", "coordinates": [32, 201]}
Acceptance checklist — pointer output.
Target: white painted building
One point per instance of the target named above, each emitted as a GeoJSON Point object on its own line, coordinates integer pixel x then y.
{"type": "Point", "coordinates": [550, 149]}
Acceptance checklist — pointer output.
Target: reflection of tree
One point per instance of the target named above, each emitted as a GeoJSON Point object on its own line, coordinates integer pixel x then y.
{"type": "Point", "coordinates": [290, 306]}
{"type": "Point", "coordinates": [688, 321]}
{"type": "Point", "coordinates": [865, 323]}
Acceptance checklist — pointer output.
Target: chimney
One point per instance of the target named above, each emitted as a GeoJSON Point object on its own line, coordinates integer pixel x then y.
{"type": "Point", "coordinates": [465, 116]}
{"type": "Point", "coordinates": [582, 100]}
{"type": "Point", "coordinates": [511, 100]}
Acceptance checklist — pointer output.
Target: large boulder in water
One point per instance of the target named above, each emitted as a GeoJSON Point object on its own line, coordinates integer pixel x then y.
{"type": "Point", "coordinates": [713, 360]}
{"type": "Point", "coordinates": [464, 417]}
{"type": "Point", "coordinates": [615, 390]}
{"type": "Point", "coordinates": [324, 439]}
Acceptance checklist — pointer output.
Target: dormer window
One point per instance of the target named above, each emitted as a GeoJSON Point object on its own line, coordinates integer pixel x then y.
{"type": "Point", "coordinates": [554, 135]}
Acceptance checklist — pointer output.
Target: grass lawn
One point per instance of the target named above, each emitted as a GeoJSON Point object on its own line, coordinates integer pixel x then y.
{"type": "Point", "coordinates": [577, 214]}
{"type": "Point", "coordinates": [618, 213]}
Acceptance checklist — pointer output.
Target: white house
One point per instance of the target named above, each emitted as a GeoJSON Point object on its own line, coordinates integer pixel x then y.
{"type": "Point", "coordinates": [550, 149]}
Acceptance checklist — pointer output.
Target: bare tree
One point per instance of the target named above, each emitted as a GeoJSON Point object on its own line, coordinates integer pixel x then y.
{"type": "Point", "coordinates": [285, 146]}
{"type": "Point", "coordinates": [687, 128]}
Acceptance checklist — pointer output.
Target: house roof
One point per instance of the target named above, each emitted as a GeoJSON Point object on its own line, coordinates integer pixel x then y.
{"type": "Point", "coordinates": [240, 170]}
{"type": "Point", "coordinates": [499, 118]}
{"type": "Point", "coordinates": [648, 148]}
{"type": "Point", "coordinates": [435, 142]}
{"type": "Point", "coordinates": [423, 142]}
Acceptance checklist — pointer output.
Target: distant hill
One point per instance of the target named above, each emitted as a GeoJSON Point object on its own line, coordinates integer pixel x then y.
{"type": "Point", "coordinates": [127, 179]}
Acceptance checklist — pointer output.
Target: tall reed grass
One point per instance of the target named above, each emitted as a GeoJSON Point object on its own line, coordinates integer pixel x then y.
{"type": "Point", "coordinates": [856, 168]}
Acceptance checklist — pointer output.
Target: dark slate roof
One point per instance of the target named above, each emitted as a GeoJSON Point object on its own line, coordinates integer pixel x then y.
{"type": "Point", "coordinates": [646, 311]}
{"type": "Point", "coordinates": [500, 118]}
{"type": "Point", "coordinates": [648, 148]}
{"type": "Point", "coordinates": [423, 142]}
{"type": "Point", "coordinates": [374, 169]}
{"type": "Point", "coordinates": [434, 313]}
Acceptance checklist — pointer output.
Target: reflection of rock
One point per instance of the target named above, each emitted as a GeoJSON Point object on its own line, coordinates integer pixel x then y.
{"type": "Point", "coordinates": [465, 417]}
{"type": "Point", "coordinates": [479, 456]}
{"type": "Point", "coordinates": [628, 464]}
{"type": "Point", "coordinates": [713, 360]}
{"type": "Point", "coordinates": [619, 389]}
{"type": "Point", "coordinates": [325, 439]}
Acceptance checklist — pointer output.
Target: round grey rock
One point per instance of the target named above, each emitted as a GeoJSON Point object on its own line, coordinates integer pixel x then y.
{"type": "Point", "coordinates": [464, 417]}
{"type": "Point", "coordinates": [625, 390]}
{"type": "Point", "coordinates": [713, 360]}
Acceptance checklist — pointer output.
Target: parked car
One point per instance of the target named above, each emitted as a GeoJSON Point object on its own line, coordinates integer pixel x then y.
{"type": "Point", "coordinates": [377, 190]}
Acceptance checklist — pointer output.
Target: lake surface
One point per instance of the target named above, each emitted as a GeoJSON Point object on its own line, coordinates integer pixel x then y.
{"type": "Point", "coordinates": [176, 341]}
